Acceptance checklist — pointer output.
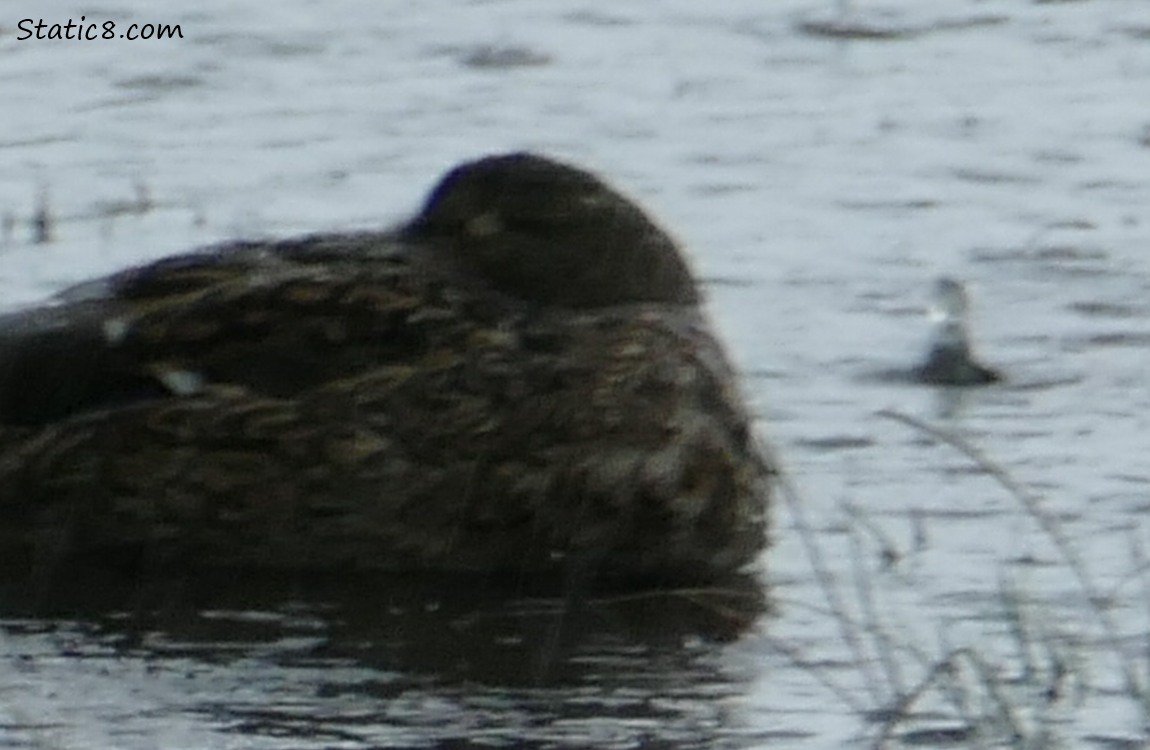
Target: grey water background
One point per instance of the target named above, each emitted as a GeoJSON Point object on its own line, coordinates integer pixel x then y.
{"type": "Point", "coordinates": [822, 163]}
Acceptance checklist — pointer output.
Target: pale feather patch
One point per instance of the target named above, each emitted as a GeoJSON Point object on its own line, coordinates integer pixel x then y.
{"type": "Point", "coordinates": [181, 382]}
{"type": "Point", "coordinates": [485, 225]}
{"type": "Point", "coordinates": [116, 330]}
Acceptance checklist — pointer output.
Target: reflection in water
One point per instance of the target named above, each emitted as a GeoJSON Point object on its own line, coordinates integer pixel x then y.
{"type": "Point", "coordinates": [950, 401]}
{"type": "Point", "coordinates": [411, 662]}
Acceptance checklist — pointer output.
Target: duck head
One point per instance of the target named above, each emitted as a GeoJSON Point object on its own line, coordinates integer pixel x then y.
{"type": "Point", "coordinates": [551, 234]}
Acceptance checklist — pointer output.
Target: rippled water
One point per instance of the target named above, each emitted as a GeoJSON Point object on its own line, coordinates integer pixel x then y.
{"type": "Point", "coordinates": [823, 165]}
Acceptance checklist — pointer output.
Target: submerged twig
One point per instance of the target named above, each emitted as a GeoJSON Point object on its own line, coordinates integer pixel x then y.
{"type": "Point", "coordinates": [1051, 526]}
{"type": "Point", "coordinates": [847, 626]}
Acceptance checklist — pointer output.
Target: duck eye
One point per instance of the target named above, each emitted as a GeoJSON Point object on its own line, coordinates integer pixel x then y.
{"type": "Point", "coordinates": [486, 224]}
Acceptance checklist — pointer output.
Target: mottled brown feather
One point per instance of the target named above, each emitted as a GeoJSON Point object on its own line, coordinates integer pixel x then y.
{"type": "Point", "coordinates": [519, 381]}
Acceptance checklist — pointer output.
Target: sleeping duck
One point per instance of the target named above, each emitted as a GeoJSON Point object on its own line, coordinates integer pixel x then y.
{"type": "Point", "coordinates": [951, 360]}
{"type": "Point", "coordinates": [518, 381]}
